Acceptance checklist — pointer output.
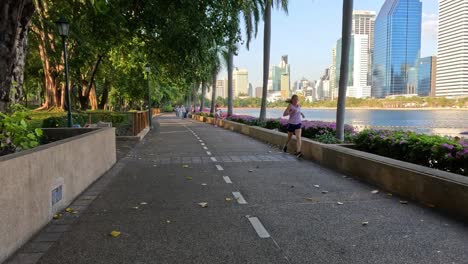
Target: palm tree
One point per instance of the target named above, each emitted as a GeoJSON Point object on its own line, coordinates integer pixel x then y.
{"type": "Point", "coordinates": [345, 47]}
{"type": "Point", "coordinates": [203, 93]}
{"type": "Point", "coordinates": [250, 10]}
{"type": "Point", "coordinates": [216, 67]}
{"type": "Point", "coordinates": [283, 4]}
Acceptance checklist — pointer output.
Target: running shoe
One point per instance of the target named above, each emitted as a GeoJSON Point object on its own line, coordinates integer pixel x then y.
{"type": "Point", "coordinates": [299, 155]}
{"type": "Point", "coordinates": [285, 148]}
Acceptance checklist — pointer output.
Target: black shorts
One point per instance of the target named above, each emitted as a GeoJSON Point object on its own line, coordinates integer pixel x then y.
{"type": "Point", "coordinates": [292, 127]}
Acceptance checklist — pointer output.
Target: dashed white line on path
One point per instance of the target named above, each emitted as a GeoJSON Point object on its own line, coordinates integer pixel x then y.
{"type": "Point", "coordinates": [208, 153]}
{"type": "Point", "coordinates": [200, 140]}
{"type": "Point", "coordinates": [203, 144]}
{"type": "Point", "coordinates": [219, 167]}
{"type": "Point", "coordinates": [258, 226]}
{"type": "Point", "coordinates": [240, 199]}
{"type": "Point", "coordinates": [213, 159]}
{"type": "Point", "coordinates": [205, 147]}
{"type": "Point", "coordinates": [227, 179]}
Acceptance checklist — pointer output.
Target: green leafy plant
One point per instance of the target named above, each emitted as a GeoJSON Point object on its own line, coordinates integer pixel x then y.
{"type": "Point", "coordinates": [16, 134]}
{"type": "Point", "coordinates": [432, 151]}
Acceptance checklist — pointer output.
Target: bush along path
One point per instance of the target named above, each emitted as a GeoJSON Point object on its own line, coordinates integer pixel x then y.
{"type": "Point", "coordinates": [438, 152]}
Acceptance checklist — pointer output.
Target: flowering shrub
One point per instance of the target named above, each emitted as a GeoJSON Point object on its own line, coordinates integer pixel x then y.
{"type": "Point", "coordinates": [431, 151]}
{"type": "Point", "coordinates": [321, 131]}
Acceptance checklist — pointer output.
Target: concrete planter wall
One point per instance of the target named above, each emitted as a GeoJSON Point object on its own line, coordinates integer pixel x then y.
{"type": "Point", "coordinates": [430, 187]}
{"type": "Point", "coordinates": [37, 183]}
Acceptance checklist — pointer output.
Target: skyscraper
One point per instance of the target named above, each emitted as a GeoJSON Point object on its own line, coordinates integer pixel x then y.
{"type": "Point", "coordinates": [277, 73]}
{"type": "Point", "coordinates": [240, 82]}
{"type": "Point", "coordinates": [358, 66]}
{"type": "Point", "coordinates": [427, 76]}
{"type": "Point", "coordinates": [397, 46]}
{"type": "Point", "coordinates": [452, 57]}
{"type": "Point", "coordinates": [364, 24]}
{"type": "Point", "coordinates": [333, 83]}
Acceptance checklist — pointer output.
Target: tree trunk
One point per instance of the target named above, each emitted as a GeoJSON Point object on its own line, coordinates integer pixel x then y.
{"type": "Point", "coordinates": [194, 97]}
{"type": "Point", "coordinates": [345, 47]}
{"type": "Point", "coordinates": [230, 88]}
{"type": "Point", "coordinates": [51, 67]}
{"type": "Point", "coordinates": [213, 95]}
{"type": "Point", "coordinates": [189, 98]}
{"type": "Point", "coordinates": [86, 99]}
{"type": "Point", "coordinates": [105, 94]}
{"type": "Point", "coordinates": [202, 99]}
{"type": "Point", "coordinates": [93, 98]}
{"type": "Point", "coordinates": [14, 19]}
{"type": "Point", "coordinates": [266, 60]}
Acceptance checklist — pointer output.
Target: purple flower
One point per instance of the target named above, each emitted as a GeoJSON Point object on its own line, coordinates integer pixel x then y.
{"type": "Point", "coordinates": [447, 146]}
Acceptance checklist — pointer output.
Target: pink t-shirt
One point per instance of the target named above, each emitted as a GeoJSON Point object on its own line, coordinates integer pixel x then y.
{"type": "Point", "coordinates": [294, 115]}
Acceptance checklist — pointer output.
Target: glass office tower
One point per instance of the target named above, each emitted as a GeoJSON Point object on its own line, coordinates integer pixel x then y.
{"type": "Point", "coordinates": [397, 45]}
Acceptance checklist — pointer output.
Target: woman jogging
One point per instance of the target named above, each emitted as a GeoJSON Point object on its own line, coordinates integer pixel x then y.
{"type": "Point", "coordinates": [294, 126]}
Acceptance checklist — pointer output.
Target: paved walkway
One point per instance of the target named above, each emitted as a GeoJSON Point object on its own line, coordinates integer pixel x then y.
{"type": "Point", "coordinates": [263, 206]}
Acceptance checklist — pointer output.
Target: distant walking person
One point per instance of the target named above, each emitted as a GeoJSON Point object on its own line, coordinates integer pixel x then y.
{"type": "Point", "coordinates": [176, 110]}
{"type": "Point", "coordinates": [183, 112]}
{"type": "Point", "coordinates": [294, 126]}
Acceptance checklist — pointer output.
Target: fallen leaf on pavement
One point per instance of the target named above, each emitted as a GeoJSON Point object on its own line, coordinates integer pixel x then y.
{"type": "Point", "coordinates": [203, 204]}
{"type": "Point", "coordinates": [324, 192]}
{"type": "Point", "coordinates": [375, 192]}
{"type": "Point", "coordinates": [115, 233]}
{"type": "Point", "coordinates": [68, 210]}
{"type": "Point", "coordinates": [228, 199]}
{"type": "Point", "coordinates": [250, 170]}
{"type": "Point", "coordinates": [365, 223]}
{"type": "Point", "coordinates": [189, 178]}
{"type": "Point", "coordinates": [310, 199]}
{"type": "Point", "coordinates": [339, 203]}
{"type": "Point", "coordinates": [317, 186]}
{"type": "Point", "coordinates": [143, 203]}
{"type": "Point", "coordinates": [168, 221]}
{"type": "Point", "coordinates": [185, 166]}
{"type": "Point", "coordinates": [404, 202]}
{"type": "Point", "coordinates": [136, 207]}
{"type": "Point", "coordinates": [204, 184]}
{"type": "Point", "coordinates": [56, 216]}
{"type": "Point", "coordinates": [389, 194]}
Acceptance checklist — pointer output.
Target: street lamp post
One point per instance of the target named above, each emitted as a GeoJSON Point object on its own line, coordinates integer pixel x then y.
{"type": "Point", "coordinates": [148, 69]}
{"type": "Point", "coordinates": [62, 25]}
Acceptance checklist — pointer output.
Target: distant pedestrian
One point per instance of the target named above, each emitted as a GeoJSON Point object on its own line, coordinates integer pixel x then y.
{"type": "Point", "coordinates": [218, 114]}
{"type": "Point", "coordinates": [176, 110]}
{"type": "Point", "coordinates": [183, 112]}
{"type": "Point", "coordinates": [294, 126]}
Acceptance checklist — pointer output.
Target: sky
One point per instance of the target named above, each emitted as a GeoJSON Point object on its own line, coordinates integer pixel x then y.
{"type": "Point", "coordinates": [308, 33]}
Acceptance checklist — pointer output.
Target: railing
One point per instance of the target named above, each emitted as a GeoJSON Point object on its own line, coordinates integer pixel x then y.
{"type": "Point", "coordinates": [140, 120]}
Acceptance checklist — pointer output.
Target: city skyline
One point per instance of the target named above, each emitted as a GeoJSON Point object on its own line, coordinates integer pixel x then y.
{"type": "Point", "coordinates": [308, 44]}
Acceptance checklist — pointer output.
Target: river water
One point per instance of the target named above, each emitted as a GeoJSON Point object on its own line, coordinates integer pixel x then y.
{"type": "Point", "coordinates": [445, 122]}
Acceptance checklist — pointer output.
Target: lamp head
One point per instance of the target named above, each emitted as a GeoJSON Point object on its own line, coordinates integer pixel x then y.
{"type": "Point", "coordinates": [63, 26]}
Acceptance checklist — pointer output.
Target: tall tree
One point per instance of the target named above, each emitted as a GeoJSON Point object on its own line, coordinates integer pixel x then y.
{"type": "Point", "coordinates": [229, 63]}
{"type": "Point", "coordinates": [14, 20]}
{"type": "Point", "coordinates": [215, 68]}
{"type": "Point", "coordinates": [283, 4]}
{"type": "Point", "coordinates": [250, 10]}
{"type": "Point", "coordinates": [344, 67]}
